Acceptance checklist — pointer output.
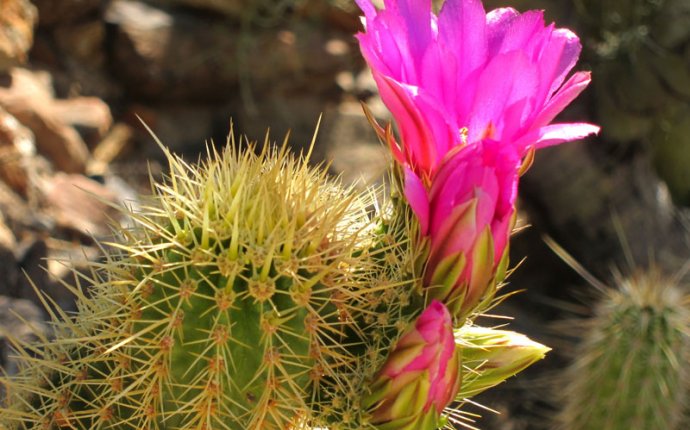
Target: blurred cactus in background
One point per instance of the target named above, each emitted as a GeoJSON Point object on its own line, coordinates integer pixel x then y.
{"type": "Point", "coordinates": [630, 372]}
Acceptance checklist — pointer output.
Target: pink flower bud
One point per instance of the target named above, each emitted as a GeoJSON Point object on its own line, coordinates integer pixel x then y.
{"type": "Point", "coordinates": [471, 214]}
{"type": "Point", "coordinates": [420, 377]}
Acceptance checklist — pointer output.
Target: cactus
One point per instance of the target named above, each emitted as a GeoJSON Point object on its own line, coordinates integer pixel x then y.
{"type": "Point", "coordinates": [251, 295]}
{"type": "Point", "coordinates": [254, 293]}
{"type": "Point", "coordinates": [630, 371]}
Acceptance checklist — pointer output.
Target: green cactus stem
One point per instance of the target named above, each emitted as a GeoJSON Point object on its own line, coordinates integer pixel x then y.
{"type": "Point", "coordinates": [250, 295]}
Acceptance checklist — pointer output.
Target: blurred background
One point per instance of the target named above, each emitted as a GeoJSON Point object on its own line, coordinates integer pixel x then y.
{"type": "Point", "coordinates": [78, 78]}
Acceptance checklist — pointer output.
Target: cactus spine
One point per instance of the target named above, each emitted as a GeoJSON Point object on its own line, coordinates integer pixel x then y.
{"type": "Point", "coordinates": [631, 370]}
{"type": "Point", "coordinates": [249, 296]}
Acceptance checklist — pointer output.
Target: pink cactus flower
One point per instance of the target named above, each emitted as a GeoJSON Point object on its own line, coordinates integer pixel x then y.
{"type": "Point", "coordinates": [472, 94]}
{"type": "Point", "coordinates": [465, 75]}
{"type": "Point", "coordinates": [420, 377]}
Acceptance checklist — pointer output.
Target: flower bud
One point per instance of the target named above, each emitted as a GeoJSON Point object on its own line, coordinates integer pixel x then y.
{"type": "Point", "coordinates": [471, 215]}
{"type": "Point", "coordinates": [420, 377]}
{"type": "Point", "coordinates": [492, 356]}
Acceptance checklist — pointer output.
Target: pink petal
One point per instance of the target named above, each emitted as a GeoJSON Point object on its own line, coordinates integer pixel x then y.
{"type": "Point", "coordinates": [379, 39]}
{"type": "Point", "coordinates": [417, 198]}
{"type": "Point", "coordinates": [563, 97]}
{"type": "Point", "coordinates": [455, 232]}
{"type": "Point", "coordinates": [367, 7]}
{"type": "Point", "coordinates": [507, 168]}
{"type": "Point", "coordinates": [569, 55]}
{"type": "Point", "coordinates": [417, 17]}
{"type": "Point", "coordinates": [425, 127]}
{"type": "Point", "coordinates": [497, 23]}
{"type": "Point", "coordinates": [555, 134]}
{"type": "Point", "coordinates": [462, 25]}
{"type": "Point", "coordinates": [432, 320]}
{"type": "Point", "coordinates": [500, 233]}
{"type": "Point", "coordinates": [558, 133]}
{"type": "Point", "coordinates": [453, 185]}
{"type": "Point", "coordinates": [417, 138]}
{"type": "Point", "coordinates": [505, 80]}
{"type": "Point", "coordinates": [439, 75]}
{"type": "Point", "coordinates": [522, 31]}
{"type": "Point", "coordinates": [548, 64]}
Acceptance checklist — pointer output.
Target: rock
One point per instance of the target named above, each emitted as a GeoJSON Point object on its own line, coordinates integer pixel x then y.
{"type": "Point", "coordinates": [34, 259]}
{"type": "Point", "coordinates": [230, 8]}
{"type": "Point", "coordinates": [89, 115]}
{"type": "Point", "coordinates": [17, 19]}
{"type": "Point", "coordinates": [61, 144]}
{"type": "Point", "coordinates": [296, 114]}
{"type": "Point", "coordinates": [20, 82]}
{"type": "Point", "coordinates": [32, 253]}
{"type": "Point", "coordinates": [200, 124]}
{"type": "Point", "coordinates": [345, 138]}
{"type": "Point", "coordinates": [7, 240]}
{"type": "Point", "coordinates": [17, 146]}
{"type": "Point", "coordinates": [119, 141]}
{"type": "Point", "coordinates": [54, 12]}
{"type": "Point", "coordinates": [161, 54]}
{"type": "Point", "coordinates": [66, 257]}
{"type": "Point", "coordinates": [23, 321]}
{"type": "Point", "coordinates": [9, 271]}
{"type": "Point", "coordinates": [582, 195]}
{"type": "Point", "coordinates": [299, 57]}
{"type": "Point", "coordinates": [84, 42]}
{"type": "Point", "coordinates": [76, 78]}
{"type": "Point", "coordinates": [20, 214]}
{"type": "Point", "coordinates": [81, 64]}
{"type": "Point", "coordinates": [671, 155]}
{"type": "Point", "coordinates": [351, 144]}
{"type": "Point", "coordinates": [671, 27]}
{"type": "Point", "coordinates": [164, 54]}
{"type": "Point", "coordinates": [76, 57]}
{"type": "Point", "coordinates": [29, 100]}
{"type": "Point", "coordinates": [79, 204]}
{"type": "Point", "coordinates": [341, 14]}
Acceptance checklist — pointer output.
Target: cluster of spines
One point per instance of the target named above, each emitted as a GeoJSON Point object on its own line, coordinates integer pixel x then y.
{"type": "Point", "coordinates": [250, 295]}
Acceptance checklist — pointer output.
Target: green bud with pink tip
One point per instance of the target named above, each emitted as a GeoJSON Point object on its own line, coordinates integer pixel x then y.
{"type": "Point", "coordinates": [420, 377]}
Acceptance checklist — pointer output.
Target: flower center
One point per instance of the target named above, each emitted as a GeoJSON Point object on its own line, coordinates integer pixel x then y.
{"type": "Point", "coordinates": [490, 131]}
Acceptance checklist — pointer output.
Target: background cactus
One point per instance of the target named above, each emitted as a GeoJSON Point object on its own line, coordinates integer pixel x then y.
{"type": "Point", "coordinates": [242, 299]}
{"type": "Point", "coordinates": [630, 371]}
